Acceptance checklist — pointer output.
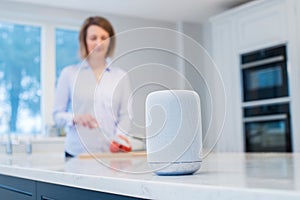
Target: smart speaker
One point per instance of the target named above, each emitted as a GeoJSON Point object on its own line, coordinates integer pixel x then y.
{"type": "Point", "coordinates": [174, 132]}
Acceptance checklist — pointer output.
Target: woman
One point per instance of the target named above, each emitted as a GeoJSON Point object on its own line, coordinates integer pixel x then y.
{"type": "Point", "coordinates": [92, 97]}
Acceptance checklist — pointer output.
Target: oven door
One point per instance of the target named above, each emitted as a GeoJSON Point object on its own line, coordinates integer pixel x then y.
{"type": "Point", "coordinates": [268, 80]}
{"type": "Point", "coordinates": [269, 133]}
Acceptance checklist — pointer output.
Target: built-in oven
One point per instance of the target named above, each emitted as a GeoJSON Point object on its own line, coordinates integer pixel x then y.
{"type": "Point", "coordinates": [264, 74]}
{"type": "Point", "coordinates": [267, 128]}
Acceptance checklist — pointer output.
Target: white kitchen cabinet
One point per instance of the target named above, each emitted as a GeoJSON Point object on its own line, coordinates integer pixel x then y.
{"type": "Point", "coordinates": [252, 26]}
{"type": "Point", "coordinates": [226, 60]}
{"type": "Point", "coordinates": [261, 25]}
{"type": "Point", "coordinates": [294, 68]}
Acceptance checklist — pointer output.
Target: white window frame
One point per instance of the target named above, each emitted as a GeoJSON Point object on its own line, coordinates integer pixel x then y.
{"type": "Point", "coordinates": [70, 20]}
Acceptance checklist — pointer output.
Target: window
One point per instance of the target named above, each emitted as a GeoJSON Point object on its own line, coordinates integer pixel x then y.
{"type": "Point", "coordinates": [67, 49]}
{"type": "Point", "coordinates": [20, 90]}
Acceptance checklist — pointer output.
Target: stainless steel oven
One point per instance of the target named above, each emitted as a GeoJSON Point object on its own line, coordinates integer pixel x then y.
{"type": "Point", "coordinates": [264, 74]}
{"type": "Point", "coordinates": [267, 128]}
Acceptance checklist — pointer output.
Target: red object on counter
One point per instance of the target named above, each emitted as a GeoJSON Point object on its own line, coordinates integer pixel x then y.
{"type": "Point", "coordinates": [120, 144]}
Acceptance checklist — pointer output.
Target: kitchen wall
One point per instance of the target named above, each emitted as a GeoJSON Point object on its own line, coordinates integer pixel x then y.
{"type": "Point", "coordinates": [203, 77]}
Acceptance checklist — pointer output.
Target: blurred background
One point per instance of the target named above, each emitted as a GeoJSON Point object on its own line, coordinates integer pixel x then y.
{"type": "Point", "coordinates": [39, 38]}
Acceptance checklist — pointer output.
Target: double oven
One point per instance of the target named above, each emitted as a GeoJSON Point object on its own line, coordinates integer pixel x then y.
{"type": "Point", "coordinates": [266, 107]}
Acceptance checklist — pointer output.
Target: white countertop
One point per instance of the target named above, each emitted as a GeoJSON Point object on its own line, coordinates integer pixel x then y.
{"type": "Point", "coordinates": [222, 176]}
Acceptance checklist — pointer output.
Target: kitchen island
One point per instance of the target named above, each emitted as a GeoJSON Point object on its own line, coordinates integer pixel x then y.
{"type": "Point", "coordinates": [222, 176]}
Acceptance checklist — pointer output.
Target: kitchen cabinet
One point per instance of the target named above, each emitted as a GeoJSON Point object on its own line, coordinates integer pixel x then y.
{"type": "Point", "coordinates": [226, 60]}
{"type": "Point", "coordinates": [261, 25]}
{"type": "Point", "coordinates": [12, 188]}
{"type": "Point", "coordinates": [256, 25]}
{"type": "Point", "coordinates": [47, 191]}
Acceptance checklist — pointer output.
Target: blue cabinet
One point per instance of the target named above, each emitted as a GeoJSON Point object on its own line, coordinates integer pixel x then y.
{"type": "Point", "coordinates": [12, 188]}
{"type": "Point", "coordinates": [46, 191]}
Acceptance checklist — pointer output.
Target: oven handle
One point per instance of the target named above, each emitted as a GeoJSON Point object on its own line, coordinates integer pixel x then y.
{"type": "Point", "coordinates": [265, 118]}
{"type": "Point", "coordinates": [262, 62]}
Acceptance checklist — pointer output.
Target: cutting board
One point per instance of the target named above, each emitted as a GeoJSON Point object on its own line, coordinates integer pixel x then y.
{"type": "Point", "coordinates": [112, 155]}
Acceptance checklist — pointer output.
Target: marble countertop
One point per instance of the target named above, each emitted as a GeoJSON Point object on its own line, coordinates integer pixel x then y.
{"type": "Point", "coordinates": [222, 175]}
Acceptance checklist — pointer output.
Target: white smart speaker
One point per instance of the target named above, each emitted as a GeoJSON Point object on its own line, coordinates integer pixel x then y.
{"type": "Point", "coordinates": [174, 132]}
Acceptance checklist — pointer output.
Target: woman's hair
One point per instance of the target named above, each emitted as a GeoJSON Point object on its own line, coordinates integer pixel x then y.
{"type": "Point", "coordinates": [103, 23]}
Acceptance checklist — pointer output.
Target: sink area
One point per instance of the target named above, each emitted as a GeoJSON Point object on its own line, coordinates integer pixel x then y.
{"type": "Point", "coordinates": [31, 145]}
{"type": "Point", "coordinates": [44, 161]}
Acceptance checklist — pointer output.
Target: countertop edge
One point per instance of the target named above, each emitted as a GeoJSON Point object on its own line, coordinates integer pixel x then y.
{"type": "Point", "coordinates": [150, 189]}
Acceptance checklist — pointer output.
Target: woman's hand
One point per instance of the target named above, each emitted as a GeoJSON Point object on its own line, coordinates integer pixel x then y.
{"type": "Point", "coordinates": [86, 120]}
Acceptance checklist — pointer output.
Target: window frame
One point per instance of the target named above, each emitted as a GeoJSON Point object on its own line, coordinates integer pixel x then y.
{"type": "Point", "coordinates": [48, 25]}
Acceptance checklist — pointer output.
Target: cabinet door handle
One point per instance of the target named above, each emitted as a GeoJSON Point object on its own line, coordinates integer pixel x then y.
{"type": "Point", "coordinates": [265, 118]}
{"type": "Point", "coordinates": [46, 198]}
{"type": "Point", "coordinates": [15, 190]}
{"type": "Point", "coordinates": [262, 62]}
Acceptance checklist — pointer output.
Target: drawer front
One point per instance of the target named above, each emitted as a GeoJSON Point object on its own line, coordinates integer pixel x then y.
{"type": "Point", "coordinates": [17, 188]}
{"type": "Point", "coordinates": [46, 191]}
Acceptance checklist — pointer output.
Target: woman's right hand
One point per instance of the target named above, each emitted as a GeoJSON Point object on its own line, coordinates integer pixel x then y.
{"type": "Point", "coordinates": [85, 120]}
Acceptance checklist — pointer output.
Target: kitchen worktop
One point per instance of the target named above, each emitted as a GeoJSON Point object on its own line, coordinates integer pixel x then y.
{"type": "Point", "coordinates": [222, 175]}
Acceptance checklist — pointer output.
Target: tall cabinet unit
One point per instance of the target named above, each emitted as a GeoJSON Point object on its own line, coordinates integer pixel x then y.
{"type": "Point", "coordinates": [293, 9]}
{"type": "Point", "coordinates": [250, 27]}
{"type": "Point", "coordinates": [224, 56]}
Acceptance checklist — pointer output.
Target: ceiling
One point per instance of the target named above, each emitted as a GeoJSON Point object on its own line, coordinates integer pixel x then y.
{"type": "Point", "coordinates": [167, 10]}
